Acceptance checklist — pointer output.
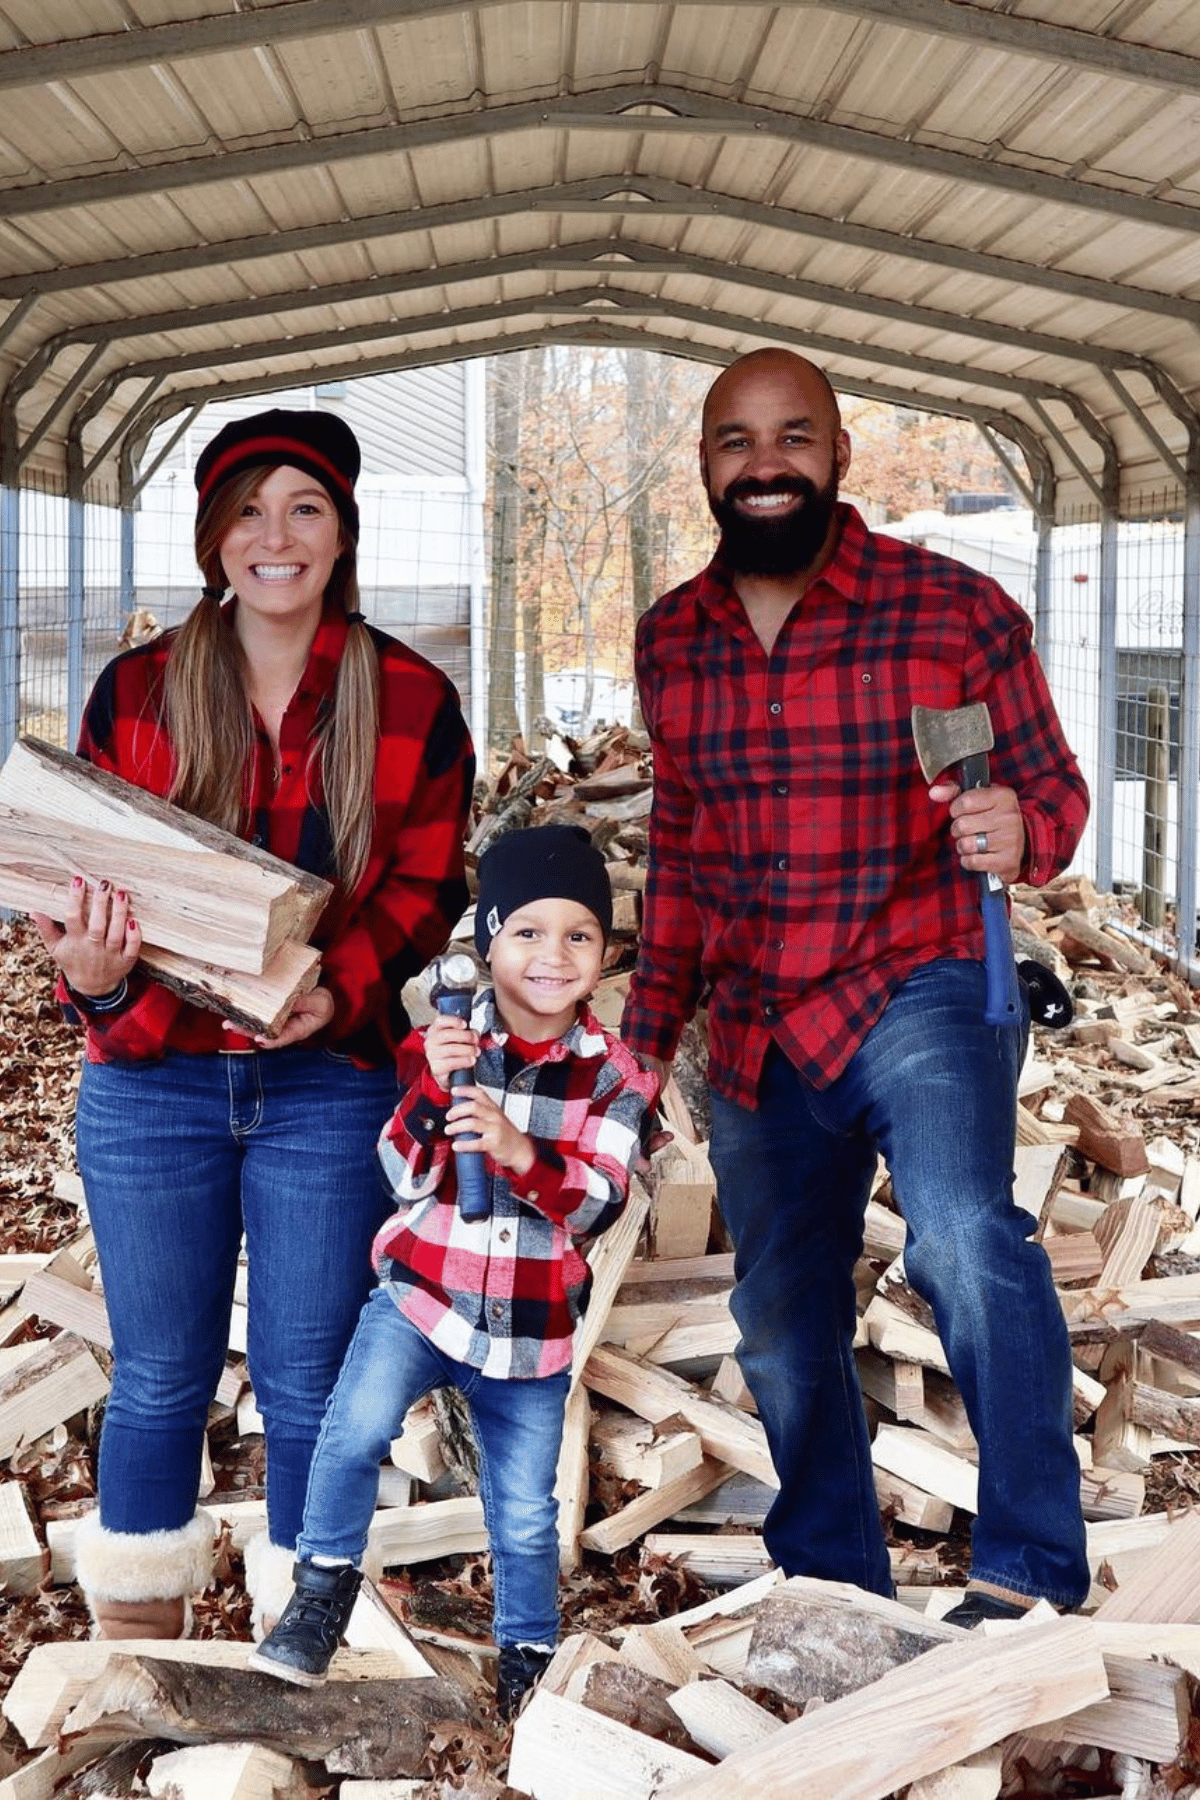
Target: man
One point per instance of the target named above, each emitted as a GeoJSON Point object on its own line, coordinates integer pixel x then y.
{"type": "Point", "coordinates": [825, 901]}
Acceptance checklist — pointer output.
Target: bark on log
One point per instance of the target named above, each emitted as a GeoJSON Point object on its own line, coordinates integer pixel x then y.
{"type": "Point", "coordinates": [808, 1647]}
{"type": "Point", "coordinates": [638, 1700]}
{"type": "Point", "coordinates": [371, 1728]}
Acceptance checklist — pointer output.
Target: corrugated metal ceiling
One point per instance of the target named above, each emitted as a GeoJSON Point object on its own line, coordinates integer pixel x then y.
{"type": "Point", "coordinates": [990, 209]}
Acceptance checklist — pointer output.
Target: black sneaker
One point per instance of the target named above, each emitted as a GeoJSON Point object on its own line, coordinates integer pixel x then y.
{"type": "Point", "coordinates": [518, 1667]}
{"type": "Point", "coordinates": [976, 1606]}
{"type": "Point", "coordinates": [301, 1646]}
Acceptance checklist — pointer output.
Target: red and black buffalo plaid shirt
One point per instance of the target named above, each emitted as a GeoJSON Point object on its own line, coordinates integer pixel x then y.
{"type": "Point", "coordinates": [799, 872]}
{"type": "Point", "coordinates": [413, 890]}
{"type": "Point", "coordinates": [503, 1294]}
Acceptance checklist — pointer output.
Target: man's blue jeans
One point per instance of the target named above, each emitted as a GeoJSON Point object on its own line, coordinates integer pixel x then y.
{"type": "Point", "coordinates": [932, 1089]}
{"type": "Point", "coordinates": [389, 1366]}
{"type": "Point", "coordinates": [177, 1158]}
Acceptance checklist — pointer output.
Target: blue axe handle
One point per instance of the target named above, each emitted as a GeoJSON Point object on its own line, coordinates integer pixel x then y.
{"type": "Point", "coordinates": [474, 1199]}
{"type": "Point", "coordinates": [1003, 1005]}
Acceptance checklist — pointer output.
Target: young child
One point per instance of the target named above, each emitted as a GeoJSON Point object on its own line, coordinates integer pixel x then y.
{"type": "Point", "coordinates": [560, 1110]}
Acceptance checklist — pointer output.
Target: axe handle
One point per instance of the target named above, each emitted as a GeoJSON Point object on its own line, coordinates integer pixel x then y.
{"type": "Point", "coordinates": [1003, 1004]}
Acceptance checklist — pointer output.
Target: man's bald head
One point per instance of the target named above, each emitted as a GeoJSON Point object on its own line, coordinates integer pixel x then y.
{"type": "Point", "coordinates": [778, 365]}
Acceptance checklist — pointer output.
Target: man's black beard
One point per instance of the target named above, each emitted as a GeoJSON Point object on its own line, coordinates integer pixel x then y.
{"type": "Point", "coordinates": [770, 546]}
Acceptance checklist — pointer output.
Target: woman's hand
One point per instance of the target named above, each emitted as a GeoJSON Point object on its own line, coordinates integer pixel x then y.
{"type": "Point", "coordinates": [309, 1013]}
{"type": "Point", "coordinates": [450, 1044]}
{"type": "Point", "coordinates": [97, 943]}
{"type": "Point", "coordinates": [473, 1112]}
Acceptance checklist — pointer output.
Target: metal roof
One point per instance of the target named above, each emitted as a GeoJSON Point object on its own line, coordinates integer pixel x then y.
{"type": "Point", "coordinates": [988, 209]}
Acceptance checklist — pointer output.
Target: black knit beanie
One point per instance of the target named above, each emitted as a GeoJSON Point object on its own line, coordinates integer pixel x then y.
{"type": "Point", "coordinates": [544, 862]}
{"type": "Point", "coordinates": [318, 442]}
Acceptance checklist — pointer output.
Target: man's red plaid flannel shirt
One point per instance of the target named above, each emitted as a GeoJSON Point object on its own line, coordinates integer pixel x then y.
{"type": "Point", "coordinates": [799, 872]}
{"type": "Point", "coordinates": [413, 890]}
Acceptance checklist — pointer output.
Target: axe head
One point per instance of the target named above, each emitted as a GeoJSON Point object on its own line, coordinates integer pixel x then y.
{"type": "Point", "coordinates": [946, 736]}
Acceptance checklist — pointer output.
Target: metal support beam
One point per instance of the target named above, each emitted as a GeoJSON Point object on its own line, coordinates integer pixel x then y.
{"type": "Point", "coordinates": [679, 113]}
{"type": "Point", "coordinates": [1146, 426]}
{"type": "Point", "coordinates": [577, 301]}
{"type": "Point", "coordinates": [61, 400]}
{"type": "Point", "coordinates": [151, 468]}
{"type": "Point", "coordinates": [144, 418]}
{"type": "Point", "coordinates": [1068, 449]}
{"type": "Point", "coordinates": [182, 39]}
{"type": "Point", "coordinates": [118, 431]}
{"type": "Point", "coordinates": [1010, 468]}
{"type": "Point", "coordinates": [605, 195]}
{"type": "Point", "coordinates": [20, 312]}
{"type": "Point", "coordinates": [620, 256]}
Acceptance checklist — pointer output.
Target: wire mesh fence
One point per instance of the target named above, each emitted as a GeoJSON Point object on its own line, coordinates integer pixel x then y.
{"type": "Point", "coordinates": [1110, 612]}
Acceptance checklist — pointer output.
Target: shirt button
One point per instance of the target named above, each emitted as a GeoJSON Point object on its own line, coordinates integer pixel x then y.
{"type": "Point", "coordinates": [781, 943]}
{"type": "Point", "coordinates": [770, 1012]}
{"type": "Point", "coordinates": [776, 706]}
{"type": "Point", "coordinates": [782, 863]}
{"type": "Point", "coordinates": [866, 681]}
{"type": "Point", "coordinates": [781, 787]}
{"type": "Point", "coordinates": [497, 1311]}
{"type": "Point", "coordinates": [533, 1194]}
{"type": "Point", "coordinates": [505, 1235]}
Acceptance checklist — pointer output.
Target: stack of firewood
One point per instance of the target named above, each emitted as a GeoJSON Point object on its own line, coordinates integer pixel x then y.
{"type": "Point", "coordinates": [223, 922]}
{"type": "Point", "coordinates": [773, 1687]}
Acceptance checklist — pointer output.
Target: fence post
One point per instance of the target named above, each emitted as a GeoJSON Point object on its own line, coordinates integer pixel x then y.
{"type": "Point", "coordinates": [127, 505]}
{"type": "Point", "coordinates": [1189, 724]}
{"type": "Point", "coordinates": [10, 616]}
{"type": "Point", "coordinates": [1155, 806]}
{"type": "Point", "coordinates": [1106, 761]}
{"type": "Point", "coordinates": [76, 567]}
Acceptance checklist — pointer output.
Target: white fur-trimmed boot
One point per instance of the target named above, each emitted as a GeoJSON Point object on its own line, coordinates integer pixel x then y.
{"type": "Point", "coordinates": [138, 1584]}
{"type": "Point", "coordinates": [269, 1580]}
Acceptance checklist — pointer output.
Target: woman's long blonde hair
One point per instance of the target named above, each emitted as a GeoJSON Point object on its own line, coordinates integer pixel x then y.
{"type": "Point", "coordinates": [206, 704]}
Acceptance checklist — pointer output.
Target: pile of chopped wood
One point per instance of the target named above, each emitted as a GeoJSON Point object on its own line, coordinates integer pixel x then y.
{"type": "Point", "coordinates": [764, 1686]}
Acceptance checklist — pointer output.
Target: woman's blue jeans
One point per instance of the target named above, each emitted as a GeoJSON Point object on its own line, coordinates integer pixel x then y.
{"type": "Point", "coordinates": [179, 1157]}
{"type": "Point", "coordinates": [932, 1089]}
{"type": "Point", "coordinates": [389, 1366]}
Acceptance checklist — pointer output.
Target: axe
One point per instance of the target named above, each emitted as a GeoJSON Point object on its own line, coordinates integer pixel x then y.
{"type": "Point", "coordinates": [957, 739]}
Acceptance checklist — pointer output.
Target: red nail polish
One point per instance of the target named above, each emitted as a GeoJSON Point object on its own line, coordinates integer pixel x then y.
{"type": "Point", "coordinates": [77, 881]}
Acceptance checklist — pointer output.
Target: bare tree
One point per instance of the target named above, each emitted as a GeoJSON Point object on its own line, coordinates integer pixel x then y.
{"type": "Point", "coordinates": [503, 723]}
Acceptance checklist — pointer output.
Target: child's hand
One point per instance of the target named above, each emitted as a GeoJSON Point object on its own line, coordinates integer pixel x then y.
{"type": "Point", "coordinates": [473, 1112]}
{"type": "Point", "coordinates": [449, 1044]}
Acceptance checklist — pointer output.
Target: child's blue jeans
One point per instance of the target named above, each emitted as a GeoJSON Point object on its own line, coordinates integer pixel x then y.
{"type": "Point", "coordinates": [388, 1367]}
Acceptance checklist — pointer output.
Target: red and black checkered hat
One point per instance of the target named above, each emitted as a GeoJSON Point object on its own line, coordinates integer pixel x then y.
{"type": "Point", "coordinates": [318, 442]}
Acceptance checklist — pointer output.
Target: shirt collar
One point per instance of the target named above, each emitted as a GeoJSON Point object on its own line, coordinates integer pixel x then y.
{"type": "Point", "coordinates": [846, 571]}
{"type": "Point", "coordinates": [584, 1038]}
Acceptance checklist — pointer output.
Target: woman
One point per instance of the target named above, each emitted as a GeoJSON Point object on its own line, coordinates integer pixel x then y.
{"type": "Point", "coordinates": [280, 715]}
